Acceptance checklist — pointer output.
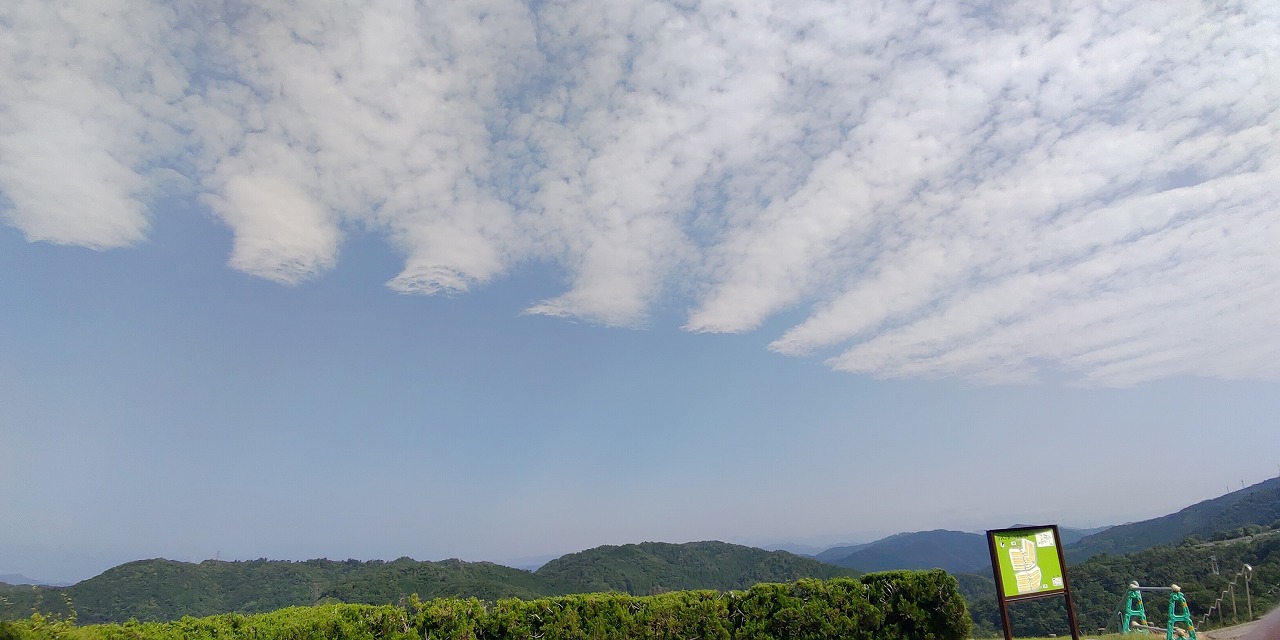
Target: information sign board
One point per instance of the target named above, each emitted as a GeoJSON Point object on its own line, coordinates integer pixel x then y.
{"type": "Point", "coordinates": [1028, 562]}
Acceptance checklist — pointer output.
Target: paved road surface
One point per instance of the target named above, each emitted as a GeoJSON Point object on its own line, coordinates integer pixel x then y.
{"type": "Point", "coordinates": [1228, 633]}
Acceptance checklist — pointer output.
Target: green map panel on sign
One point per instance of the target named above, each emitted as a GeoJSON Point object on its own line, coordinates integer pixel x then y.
{"type": "Point", "coordinates": [1028, 562]}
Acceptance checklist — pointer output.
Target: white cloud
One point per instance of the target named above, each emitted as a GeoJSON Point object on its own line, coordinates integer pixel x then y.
{"type": "Point", "coordinates": [948, 190]}
{"type": "Point", "coordinates": [80, 86]}
{"type": "Point", "coordinates": [280, 231]}
{"type": "Point", "coordinates": [65, 186]}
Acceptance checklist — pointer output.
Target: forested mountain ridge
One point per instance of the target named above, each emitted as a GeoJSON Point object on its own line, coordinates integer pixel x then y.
{"type": "Point", "coordinates": [953, 551]}
{"type": "Point", "coordinates": [1233, 514]}
{"type": "Point", "coordinates": [167, 590]}
{"type": "Point", "coordinates": [1071, 536]}
{"type": "Point", "coordinates": [1257, 505]}
{"type": "Point", "coordinates": [651, 567]}
{"type": "Point", "coordinates": [162, 589]}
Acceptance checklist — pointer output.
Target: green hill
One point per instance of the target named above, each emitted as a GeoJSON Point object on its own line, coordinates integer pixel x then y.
{"type": "Point", "coordinates": [953, 551]}
{"type": "Point", "coordinates": [167, 590]}
{"type": "Point", "coordinates": [157, 590]}
{"type": "Point", "coordinates": [836, 554]}
{"type": "Point", "coordinates": [1072, 536]}
{"type": "Point", "coordinates": [1258, 505]}
{"type": "Point", "coordinates": [653, 567]}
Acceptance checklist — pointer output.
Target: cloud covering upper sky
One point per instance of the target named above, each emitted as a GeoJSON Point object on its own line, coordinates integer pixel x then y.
{"type": "Point", "coordinates": [986, 192]}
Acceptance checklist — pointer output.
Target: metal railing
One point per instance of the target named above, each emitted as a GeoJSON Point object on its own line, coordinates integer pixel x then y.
{"type": "Point", "coordinates": [1246, 572]}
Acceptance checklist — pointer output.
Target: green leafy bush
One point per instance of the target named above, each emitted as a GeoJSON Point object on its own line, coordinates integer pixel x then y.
{"type": "Point", "coordinates": [896, 605]}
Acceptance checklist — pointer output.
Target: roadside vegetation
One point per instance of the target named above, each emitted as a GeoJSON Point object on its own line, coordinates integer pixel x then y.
{"type": "Point", "coordinates": [1099, 585]}
{"type": "Point", "coordinates": [899, 605]}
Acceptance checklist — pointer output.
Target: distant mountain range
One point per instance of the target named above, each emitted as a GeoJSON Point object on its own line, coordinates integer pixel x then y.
{"type": "Point", "coordinates": [1237, 528]}
{"type": "Point", "coordinates": [794, 547]}
{"type": "Point", "coordinates": [961, 552]}
{"type": "Point", "coordinates": [1071, 536]}
{"type": "Point", "coordinates": [1257, 505]}
{"type": "Point", "coordinates": [167, 590]}
{"type": "Point", "coordinates": [19, 579]}
{"type": "Point", "coordinates": [953, 551]}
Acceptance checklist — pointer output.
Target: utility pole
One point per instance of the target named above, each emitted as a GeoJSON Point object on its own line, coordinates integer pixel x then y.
{"type": "Point", "coordinates": [1248, 573]}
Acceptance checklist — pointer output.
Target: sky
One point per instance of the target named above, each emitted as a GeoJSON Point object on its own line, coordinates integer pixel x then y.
{"type": "Point", "coordinates": [494, 280]}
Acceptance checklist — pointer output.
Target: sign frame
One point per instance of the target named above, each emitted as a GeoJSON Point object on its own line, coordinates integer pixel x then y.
{"type": "Point", "coordinates": [996, 568]}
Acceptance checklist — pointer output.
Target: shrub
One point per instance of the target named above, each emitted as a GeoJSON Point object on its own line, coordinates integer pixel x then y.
{"type": "Point", "coordinates": [896, 605]}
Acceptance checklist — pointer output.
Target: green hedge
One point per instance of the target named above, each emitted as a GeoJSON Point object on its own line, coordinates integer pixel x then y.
{"type": "Point", "coordinates": [896, 605]}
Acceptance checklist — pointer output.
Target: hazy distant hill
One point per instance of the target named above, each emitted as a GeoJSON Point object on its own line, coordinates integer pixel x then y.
{"type": "Point", "coordinates": [835, 554]}
{"type": "Point", "coordinates": [797, 548]}
{"type": "Point", "coordinates": [651, 567]}
{"type": "Point", "coordinates": [15, 579]}
{"type": "Point", "coordinates": [954, 551]}
{"type": "Point", "coordinates": [1255, 505]}
{"type": "Point", "coordinates": [1071, 536]}
{"type": "Point", "coordinates": [168, 590]}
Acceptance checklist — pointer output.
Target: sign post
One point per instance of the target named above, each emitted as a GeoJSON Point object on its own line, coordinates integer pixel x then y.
{"type": "Point", "coordinates": [1028, 565]}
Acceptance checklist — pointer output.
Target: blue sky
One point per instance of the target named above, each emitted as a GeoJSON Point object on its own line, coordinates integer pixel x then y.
{"type": "Point", "coordinates": [494, 280]}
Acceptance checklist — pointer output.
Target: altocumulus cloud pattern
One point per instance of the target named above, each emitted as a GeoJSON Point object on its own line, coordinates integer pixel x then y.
{"type": "Point", "coordinates": [941, 189]}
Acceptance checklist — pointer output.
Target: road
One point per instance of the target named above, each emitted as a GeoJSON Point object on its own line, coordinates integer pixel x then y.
{"type": "Point", "coordinates": [1229, 633]}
